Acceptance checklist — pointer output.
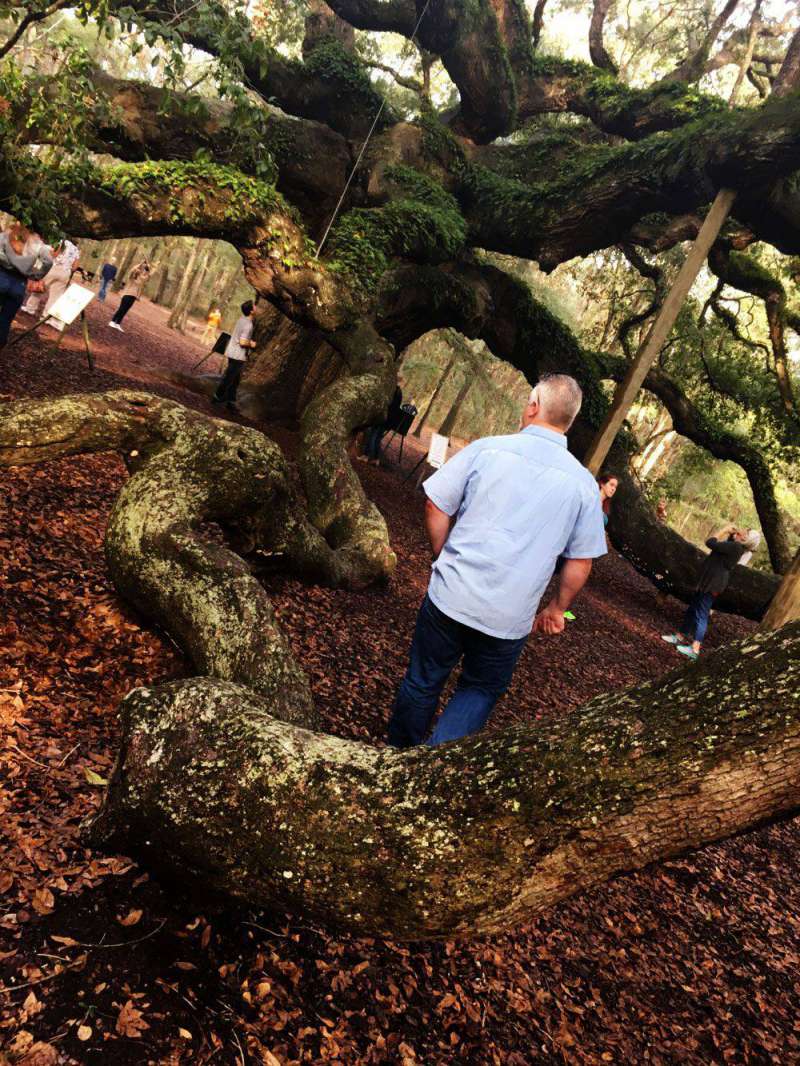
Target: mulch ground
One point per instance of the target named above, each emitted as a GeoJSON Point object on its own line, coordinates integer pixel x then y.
{"type": "Point", "coordinates": [690, 961]}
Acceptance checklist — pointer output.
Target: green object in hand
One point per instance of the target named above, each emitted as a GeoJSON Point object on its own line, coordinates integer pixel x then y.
{"type": "Point", "coordinates": [570, 617]}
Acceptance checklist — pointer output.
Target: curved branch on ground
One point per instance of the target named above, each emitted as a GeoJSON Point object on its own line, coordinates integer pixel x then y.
{"type": "Point", "coordinates": [463, 839]}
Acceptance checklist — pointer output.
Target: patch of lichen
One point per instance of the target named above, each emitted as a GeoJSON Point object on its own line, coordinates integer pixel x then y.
{"type": "Point", "coordinates": [423, 224]}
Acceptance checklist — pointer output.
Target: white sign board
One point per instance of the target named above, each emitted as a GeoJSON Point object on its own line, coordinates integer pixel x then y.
{"type": "Point", "coordinates": [437, 451]}
{"type": "Point", "coordinates": [70, 304]}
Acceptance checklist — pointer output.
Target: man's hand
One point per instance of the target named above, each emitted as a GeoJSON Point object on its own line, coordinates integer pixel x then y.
{"type": "Point", "coordinates": [550, 620]}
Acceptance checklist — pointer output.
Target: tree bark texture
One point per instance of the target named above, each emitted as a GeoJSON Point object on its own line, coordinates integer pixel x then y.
{"type": "Point", "coordinates": [189, 471]}
{"type": "Point", "coordinates": [469, 838]}
{"type": "Point", "coordinates": [289, 366]}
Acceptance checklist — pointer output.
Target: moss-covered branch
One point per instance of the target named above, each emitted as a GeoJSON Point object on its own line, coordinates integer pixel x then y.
{"type": "Point", "coordinates": [469, 838]}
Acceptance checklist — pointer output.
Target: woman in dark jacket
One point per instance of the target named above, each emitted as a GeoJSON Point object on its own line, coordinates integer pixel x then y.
{"type": "Point", "coordinates": [727, 548]}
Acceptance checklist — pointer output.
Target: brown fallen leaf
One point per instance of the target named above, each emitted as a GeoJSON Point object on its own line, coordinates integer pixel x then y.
{"type": "Point", "coordinates": [40, 1054]}
{"type": "Point", "coordinates": [43, 901]}
{"type": "Point", "coordinates": [131, 918]}
{"type": "Point", "coordinates": [130, 1021]}
{"type": "Point", "coordinates": [67, 941]}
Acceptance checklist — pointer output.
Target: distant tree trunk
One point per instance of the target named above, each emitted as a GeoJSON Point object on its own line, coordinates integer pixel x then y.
{"type": "Point", "coordinates": [442, 381]}
{"type": "Point", "coordinates": [785, 607]}
{"type": "Point", "coordinates": [130, 253]}
{"type": "Point", "coordinates": [195, 286]}
{"type": "Point", "coordinates": [220, 285]}
{"type": "Point", "coordinates": [446, 428]}
{"type": "Point", "coordinates": [226, 295]}
{"type": "Point", "coordinates": [163, 284]}
{"type": "Point", "coordinates": [183, 288]}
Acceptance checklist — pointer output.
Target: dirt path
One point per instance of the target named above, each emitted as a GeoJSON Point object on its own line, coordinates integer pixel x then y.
{"type": "Point", "coordinates": [693, 961]}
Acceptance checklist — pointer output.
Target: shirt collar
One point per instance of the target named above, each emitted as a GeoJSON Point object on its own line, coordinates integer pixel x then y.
{"type": "Point", "coordinates": [547, 434]}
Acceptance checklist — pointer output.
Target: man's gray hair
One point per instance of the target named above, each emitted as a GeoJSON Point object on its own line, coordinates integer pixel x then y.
{"type": "Point", "coordinates": [752, 540]}
{"type": "Point", "coordinates": [559, 398]}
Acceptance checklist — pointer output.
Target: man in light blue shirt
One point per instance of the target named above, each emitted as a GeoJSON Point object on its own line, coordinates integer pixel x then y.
{"type": "Point", "coordinates": [498, 516]}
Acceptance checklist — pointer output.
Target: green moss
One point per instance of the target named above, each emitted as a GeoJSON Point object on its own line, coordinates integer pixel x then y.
{"type": "Point", "coordinates": [423, 224]}
{"type": "Point", "coordinates": [346, 76]}
{"type": "Point", "coordinates": [173, 179]}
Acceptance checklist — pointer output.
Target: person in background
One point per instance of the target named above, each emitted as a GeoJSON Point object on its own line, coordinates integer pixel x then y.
{"type": "Point", "coordinates": [212, 325]}
{"type": "Point", "coordinates": [107, 274]}
{"type": "Point", "coordinates": [135, 283]}
{"type": "Point", "coordinates": [607, 483]}
{"type": "Point", "coordinates": [752, 542]}
{"type": "Point", "coordinates": [727, 548]}
{"type": "Point", "coordinates": [661, 510]}
{"type": "Point", "coordinates": [375, 434]}
{"type": "Point", "coordinates": [66, 258]}
{"type": "Point", "coordinates": [498, 515]}
{"type": "Point", "coordinates": [24, 260]}
{"type": "Point", "coordinates": [236, 353]}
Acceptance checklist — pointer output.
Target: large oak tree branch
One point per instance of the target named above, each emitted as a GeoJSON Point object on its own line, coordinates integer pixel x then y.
{"type": "Point", "coordinates": [469, 838]}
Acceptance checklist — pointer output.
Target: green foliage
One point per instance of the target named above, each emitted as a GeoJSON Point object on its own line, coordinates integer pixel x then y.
{"type": "Point", "coordinates": [424, 224]}
{"type": "Point", "coordinates": [62, 105]}
{"type": "Point", "coordinates": [247, 196]}
{"type": "Point", "coordinates": [346, 76]}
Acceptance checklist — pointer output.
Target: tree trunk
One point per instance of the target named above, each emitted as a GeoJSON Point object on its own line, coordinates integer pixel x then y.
{"type": "Point", "coordinates": [442, 381]}
{"type": "Point", "coordinates": [196, 284]}
{"type": "Point", "coordinates": [288, 368]}
{"type": "Point", "coordinates": [130, 255]}
{"type": "Point", "coordinates": [187, 278]}
{"type": "Point", "coordinates": [785, 607]}
{"type": "Point", "coordinates": [467, 839]}
{"type": "Point", "coordinates": [446, 428]}
{"type": "Point", "coordinates": [163, 285]}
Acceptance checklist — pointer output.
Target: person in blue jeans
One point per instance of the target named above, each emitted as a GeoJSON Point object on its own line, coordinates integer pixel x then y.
{"type": "Point", "coordinates": [727, 548]}
{"type": "Point", "coordinates": [498, 516]}
{"type": "Point", "coordinates": [107, 274]}
{"type": "Point", "coordinates": [24, 257]}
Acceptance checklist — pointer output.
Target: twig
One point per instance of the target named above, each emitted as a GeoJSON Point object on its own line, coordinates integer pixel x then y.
{"type": "Point", "coordinates": [19, 751]}
{"type": "Point", "coordinates": [42, 980]}
{"type": "Point", "coordinates": [126, 943]}
{"type": "Point", "coordinates": [68, 755]}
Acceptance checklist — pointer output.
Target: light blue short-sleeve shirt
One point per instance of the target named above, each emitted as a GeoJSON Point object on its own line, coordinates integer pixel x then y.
{"type": "Point", "coordinates": [520, 502]}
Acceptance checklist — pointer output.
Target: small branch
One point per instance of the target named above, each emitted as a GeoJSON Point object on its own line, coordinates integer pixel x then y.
{"type": "Point", "coordinates": [406, 83]}
{"type": "Point", "coordinates": [694, 65]}
{"type": "Point", "coordinates": [29, 20]}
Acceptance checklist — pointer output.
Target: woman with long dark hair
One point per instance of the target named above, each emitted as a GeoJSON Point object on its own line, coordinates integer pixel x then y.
{"type": "Point", "coordinates": [607, 483]}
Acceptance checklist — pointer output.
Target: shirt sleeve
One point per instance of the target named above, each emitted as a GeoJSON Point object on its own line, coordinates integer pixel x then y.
{"type": "Point", "coordinates": [729, 549]}
{"type": "Point", "coordinates": [247, 330]}
{"type": "Point", "coordinates": [588, 537]}
{"type": "Point", "coordinates": [446, 487]}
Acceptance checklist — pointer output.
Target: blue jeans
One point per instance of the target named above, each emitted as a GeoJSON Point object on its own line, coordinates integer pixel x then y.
{"type": "Point", "coordinates": [439, 642]}
{"type": "Point", "coordinates": [103, 289]}
{"type": "Point", "coordinates": [695, 621]}
{"type": "Point", "coordinates": [12, 294]}
{"type": "Point", "coordinates": [372, 441]}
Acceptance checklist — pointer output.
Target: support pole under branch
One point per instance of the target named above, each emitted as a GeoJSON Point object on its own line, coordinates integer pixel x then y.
{"type": "Point", "coordinates": [785, 605]}
{"type": "Point", "coordinates": [654, 341]}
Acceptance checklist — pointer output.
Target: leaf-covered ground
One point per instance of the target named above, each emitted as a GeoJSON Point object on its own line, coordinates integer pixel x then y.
{"type": "Point", "coordinates": [691, 961]}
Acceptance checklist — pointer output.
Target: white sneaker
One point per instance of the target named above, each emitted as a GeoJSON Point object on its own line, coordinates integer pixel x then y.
{"type": "Point", "coordinates": [672, 638]}
{"type": "Point", "coordinates": [116, 325]}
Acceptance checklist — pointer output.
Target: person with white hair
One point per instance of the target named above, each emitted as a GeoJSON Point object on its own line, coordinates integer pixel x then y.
{"type": "Point", "coordinates": [728, 547]}
{"type": "Point", "coordinates": [498, 516]}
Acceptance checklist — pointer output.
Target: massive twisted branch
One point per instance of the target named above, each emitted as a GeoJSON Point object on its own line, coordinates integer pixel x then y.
{"type": "Point", "coordinates": [469, 838]}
